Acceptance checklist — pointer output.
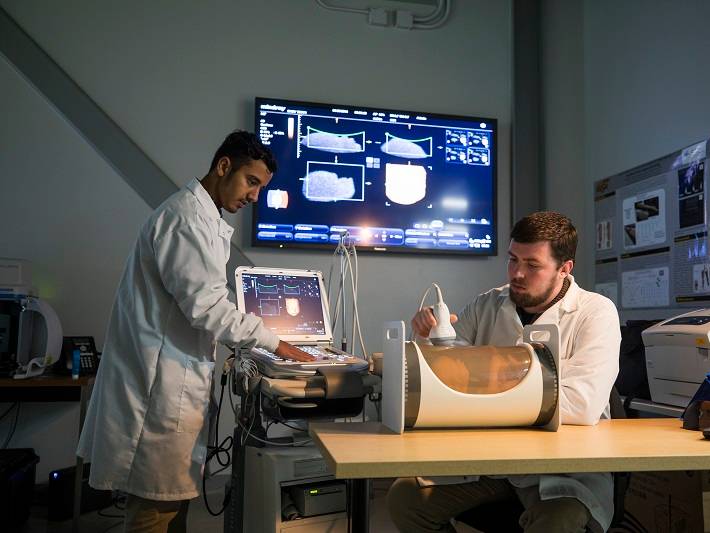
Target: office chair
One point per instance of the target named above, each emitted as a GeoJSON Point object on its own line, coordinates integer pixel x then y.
{"type": "Point", "coordinates": [502, 516]}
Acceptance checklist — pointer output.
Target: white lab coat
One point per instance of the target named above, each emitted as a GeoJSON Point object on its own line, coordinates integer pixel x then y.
{"type": "Point", "coordinates": [589, 362]}
{"type": "Point", "coordinates": [146, 427]}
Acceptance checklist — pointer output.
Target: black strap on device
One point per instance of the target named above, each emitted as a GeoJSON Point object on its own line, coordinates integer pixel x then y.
{"type": "Point", "coordinates": [341, 383]}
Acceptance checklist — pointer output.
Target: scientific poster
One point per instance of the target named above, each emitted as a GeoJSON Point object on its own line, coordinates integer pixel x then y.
{"type": "Point", "coordinates": [645, 288]}
{"type": "Point", "coordinates": [644, 219]}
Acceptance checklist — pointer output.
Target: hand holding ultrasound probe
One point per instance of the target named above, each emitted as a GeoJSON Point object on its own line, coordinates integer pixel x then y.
{"type": "Point", "coordinates": [435, 322]}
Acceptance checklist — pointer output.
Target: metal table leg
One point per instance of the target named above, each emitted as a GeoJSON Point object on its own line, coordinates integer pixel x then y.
{"type": "Point", "coordinates": [79, 472]}
{"type": "Point", "coordinates": [360, 507]}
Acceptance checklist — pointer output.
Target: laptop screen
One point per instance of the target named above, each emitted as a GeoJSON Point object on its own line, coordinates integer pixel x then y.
{"type": "Point", "coordinates": [290, 305]}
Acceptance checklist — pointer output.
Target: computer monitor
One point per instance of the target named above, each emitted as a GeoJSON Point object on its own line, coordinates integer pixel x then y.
{"type": "Point", "coordinates": [391, 181]}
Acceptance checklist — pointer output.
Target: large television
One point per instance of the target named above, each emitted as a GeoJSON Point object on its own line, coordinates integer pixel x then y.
{"type": "Point", "coordinates": [386, 180]}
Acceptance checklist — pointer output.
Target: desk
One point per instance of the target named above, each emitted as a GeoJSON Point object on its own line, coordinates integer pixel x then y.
{"type": "Point", "coordinates": [370, 450]}
{"type": "Point", "coordinates": [54, 389]}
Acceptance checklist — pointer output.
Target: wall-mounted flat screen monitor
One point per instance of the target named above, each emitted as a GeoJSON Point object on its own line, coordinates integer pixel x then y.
{"type": "Point", "coordinates": [391, 181]}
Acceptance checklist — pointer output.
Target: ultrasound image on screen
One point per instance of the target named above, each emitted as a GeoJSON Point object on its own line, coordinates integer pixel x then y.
{"type": "Point", "coordinates": [288, 305]}
{"type": "Point", "coordinates": [691, 202]}
{"type": "Point", "coordinates": [393, 180]}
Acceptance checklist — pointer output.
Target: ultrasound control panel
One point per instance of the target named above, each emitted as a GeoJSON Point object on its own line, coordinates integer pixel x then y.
{"type": "Point", "coordinates": [274, 366]}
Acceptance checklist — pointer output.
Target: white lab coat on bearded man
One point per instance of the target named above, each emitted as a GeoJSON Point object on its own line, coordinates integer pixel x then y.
{"type": "Point", "coordinates": [146, 427]}
{"type": "Point", "coordinates": [589, 362]}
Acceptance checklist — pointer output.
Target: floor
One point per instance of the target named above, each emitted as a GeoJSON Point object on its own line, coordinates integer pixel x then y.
{"type": "Point", "coordinates": [199, 520]}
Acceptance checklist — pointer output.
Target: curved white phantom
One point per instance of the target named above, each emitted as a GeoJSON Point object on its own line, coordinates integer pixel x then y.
{"type": "Point", "coordinates": [428, 386]}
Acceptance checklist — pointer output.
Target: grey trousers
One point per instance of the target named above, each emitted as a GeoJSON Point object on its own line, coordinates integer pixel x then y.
{"type": "Point", "coordinates": [417, 509]}
{"type": "Point", "coordinates": [151, 516]}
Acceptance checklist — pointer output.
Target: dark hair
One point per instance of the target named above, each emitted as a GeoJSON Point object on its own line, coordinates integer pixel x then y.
{"type": "Point", "coordinates": [548, 226]}
{"type": "Point", "coordinates": [241, 147]}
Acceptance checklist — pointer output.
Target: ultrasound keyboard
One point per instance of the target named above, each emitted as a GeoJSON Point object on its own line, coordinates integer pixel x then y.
{"type": "Point", "coordinates": [273, 366]}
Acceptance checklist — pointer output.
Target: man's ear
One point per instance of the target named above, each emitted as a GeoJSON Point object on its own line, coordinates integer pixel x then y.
{"type": "Point", "coordinates": [567, 267]}
{"type": "Point", "coordinates": [224, 165]}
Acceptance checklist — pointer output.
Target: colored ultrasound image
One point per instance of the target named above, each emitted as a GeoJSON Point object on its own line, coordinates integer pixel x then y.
{"type": "Point", "coordinates": [287, 305]}
{"type": "Point", "coordinates": [691, 180]}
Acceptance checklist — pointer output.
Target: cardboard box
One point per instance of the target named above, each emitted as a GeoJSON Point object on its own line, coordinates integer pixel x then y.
{"type": "Point", "coordinates": [666, 502]}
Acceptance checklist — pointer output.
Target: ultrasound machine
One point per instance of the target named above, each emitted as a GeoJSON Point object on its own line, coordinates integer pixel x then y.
{"type": "Point", "coordinates": [294, 305]}
{"type": "Point", "coordinates": [269, 471]}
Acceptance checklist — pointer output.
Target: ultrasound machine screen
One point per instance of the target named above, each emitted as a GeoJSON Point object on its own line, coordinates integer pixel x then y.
{"type": "Point", "coordinates": [395, 181]}
{"type": "Point", "coordinates": [288, 304]}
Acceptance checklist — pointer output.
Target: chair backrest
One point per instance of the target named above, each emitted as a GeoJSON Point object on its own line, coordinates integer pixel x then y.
{"type": "Point", "coordinates": [616, 406]}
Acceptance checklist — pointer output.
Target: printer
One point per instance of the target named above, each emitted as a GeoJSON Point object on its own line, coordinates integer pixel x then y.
{"type": "Point", "coordinates": [30, 330]}
{"type": "Point", "coordinates": [677, 356]}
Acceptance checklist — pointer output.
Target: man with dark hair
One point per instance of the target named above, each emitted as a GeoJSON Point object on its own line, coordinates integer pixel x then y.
{"type": "Point", "coordinates": [241, 147]}
{"type": "Point", "coordinates": [147, 424]}
{"type": "Point", "coordinates": [542, 290]}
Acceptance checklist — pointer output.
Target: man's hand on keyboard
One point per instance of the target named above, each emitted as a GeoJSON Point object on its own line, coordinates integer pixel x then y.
{"type": "Point", "coordinates": [289, 351]}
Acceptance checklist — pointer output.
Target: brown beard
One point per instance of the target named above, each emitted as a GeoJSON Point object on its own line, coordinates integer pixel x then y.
{"type": "Point", "coordinates": [526, 301]}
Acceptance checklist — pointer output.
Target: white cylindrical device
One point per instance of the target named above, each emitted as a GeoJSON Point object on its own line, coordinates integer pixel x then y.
{"type": "Point", "coordinates": [453, 386]}
{"type": "Point", "coordinates": [428, 386]}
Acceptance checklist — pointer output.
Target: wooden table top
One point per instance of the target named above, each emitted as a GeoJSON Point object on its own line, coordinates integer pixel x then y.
{"type": "Point", "coordinates": [370, 450]}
